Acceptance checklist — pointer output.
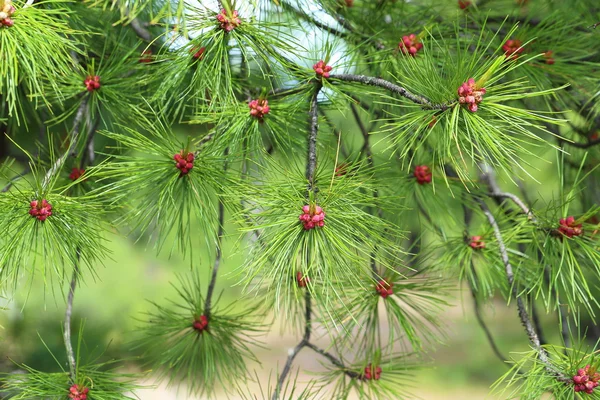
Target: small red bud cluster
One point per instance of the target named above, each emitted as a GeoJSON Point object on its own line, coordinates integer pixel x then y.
{"type": "Point", "coordinates": [384, 288]}
{"type": "Point", "coordinates": [302, 280]}
{"type": "Point", "coordinates": [512, 48]}
{"type": "Point", "coordinates": [200, 324]}
{"type": "Point", "coordinates": [410, 44]}
{"type": "Point", "coordinates": [5, 15]}
{"type": "Point", "coordinates": [432, 122]}
{"type": "Point", "coordinates": [469, 94]}
{"type": "Point", "coordinates": [92, 83]}
{"type": "Point", "coordinates": [146, 56]}
{"type": "Point", "coordinates": [341, 169]}
{"type": "Point", "coordinates": [477, 243]}
{"type": "Point", "coordinates": [322, 69]}
{"type": "Point", "coordinates": [312, 217]}
{"type": "Point", "coordinates": [228, 22]}
{"type": "Point", "coordinates": [372, 373]}
{"type": "Point", "coordinates": [423, 174]}
{"type": "Point", "coordinates": [198, 52]}
{"type": "Point", "coordinates": [586, 380]}
{"type": "Point", "coordinates": [548, 59]}
{"type": "Point", "coordinates": [463, 4]}
{"type": "Point", "coordinates": [76, 173]}
{"type": "Point", "coordinates": [40, 209]}
{"type": "Point", "coordinates": [259, 108]}
{"type": "Point", "coordinates": [78, 392]}
{"type": "Point", "coordinates": [184, 161]}
{"type": "Point", "coordinates": [568, 227]}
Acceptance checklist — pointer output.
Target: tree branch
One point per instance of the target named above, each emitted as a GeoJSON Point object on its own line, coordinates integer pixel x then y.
{"type": "Point", "coordinates": [67, 323]}
{"type": "Point", "coordinates": [74, 136]}
{"type": "Point", "coordinates": [140, 30]}
{"type": "Point", "coordinates": [488, 176]}
{"type": "Point", "coordinates": [303, 343]}
{"type": "Point", "coordinates": [392, 87]}
{"type": "Point", "coordinates": [311, 162]}
{"type": "Point", "coordinates": [311, 166]}
{"type": "Point", "coordinates": [482, 324]}
{"type": "Point", "coordinates": [215, 270]}
{"type": "Point", "coordinates": [523, 315]}
{"type": "Point", "coordinates": [334, 360]}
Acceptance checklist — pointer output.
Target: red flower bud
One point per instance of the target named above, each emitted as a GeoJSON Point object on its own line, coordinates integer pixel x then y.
{"type": "Point", "coordinates": [470, 95]}
{"type": "Point", "coordinates": [92, 83]}
{"type": "Point", "coordinates": [200, 324]}
{"type": "Point", "coordinates": [259, 108]}
{"type": "Point", "coordinates": [423, 174]}
{"type": "Point", "coordinates": [184, 161]}
{"type": "Point", "coordinates": [410, 45]}
{"type": "Point", "coordinates": [76, 173]}
{"type": "Point", "coordinates": [228, 22]}
{"type": "Point", "coordinates": [78, 392]}
{"type": "Point", "coordinates": [321, 69]}
{"type": "Point", "coordinates": [312, 217]}
{"type": "Point", "coordinates": [371, 373]}
{"type": "Point", "coordinates": [568, 227]}
{"type": "Point", "coordinates": [512, 48]}
{"type": "Point", "coordinates": [384, 288]}
{"type": "Point", "coordinates": [40, 210]}
{"type": "Point", "coordinates": [477, 243]}
{"type": "Point", "coordinates": [302, 280]}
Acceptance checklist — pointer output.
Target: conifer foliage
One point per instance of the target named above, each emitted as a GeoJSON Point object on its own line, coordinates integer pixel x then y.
{"type": "Point", "coordinates": [367, 154]}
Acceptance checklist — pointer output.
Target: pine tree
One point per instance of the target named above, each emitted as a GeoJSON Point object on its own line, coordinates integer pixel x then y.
{"type": "Point", "coordinates": [364, 156]}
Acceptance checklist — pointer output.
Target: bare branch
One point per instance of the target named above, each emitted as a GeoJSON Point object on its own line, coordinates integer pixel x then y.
{"type": "Point", "coordinates": [311, 162]}
{"type": "Point", "coordinates": [294, 352]}
{"type": "Point", "coordinates": [215, 270]}
{"type": "Point", "coordinates": [334, 360]}
{"type": "Point", "coordinates": [140, 30]}
{"type": "Point", "coordinates": [523, 315]}
{"type": "Point", "coordinates": [488, 176]}
{"type": "Point", "coordinates": [482, 324]}
{"type": "Point", "coordinates": [392, 87]}
{"type": "Point", "coordinates": [67, 323]}
{"type": "Point", "coordinates": [74, 136]}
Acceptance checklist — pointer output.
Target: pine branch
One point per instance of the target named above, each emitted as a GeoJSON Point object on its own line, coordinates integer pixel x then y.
{"type": "Point", "coordinates": [67, 323]}
{"type": "Point", "coordinates": [303, 343]}
{"type": "Point", "coordinates": [215, 270]}
{"type": "Point", "coordinates": [366, 150]}
{"type": "Point", "coordinates": [482, 324]}
{"type": "Point", "coordinates": [523, 314]}
{"type": "Point", "coordinates": [311, 162]}
{"type": "Point", "coordinates": [564, 326]}
{"type": "Point", "coordinates": [139, 30]}
{"type": "Point", "coordinates": [89, 154]}
{"type": "Point", "coordinates": [488, 176]}
{"type": "Point", "coordinates": [537, 323]}
{"type": "Point", "coordinates": [392, 87]}
{"type": "Point", "coordinates": [213, 279]}
{"type": "Point", "coordinates": [334, 360]}
{"type": "Point", "coordinates": [311, 166]}
{"type": "Point", "coordinates": [73, 137]}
